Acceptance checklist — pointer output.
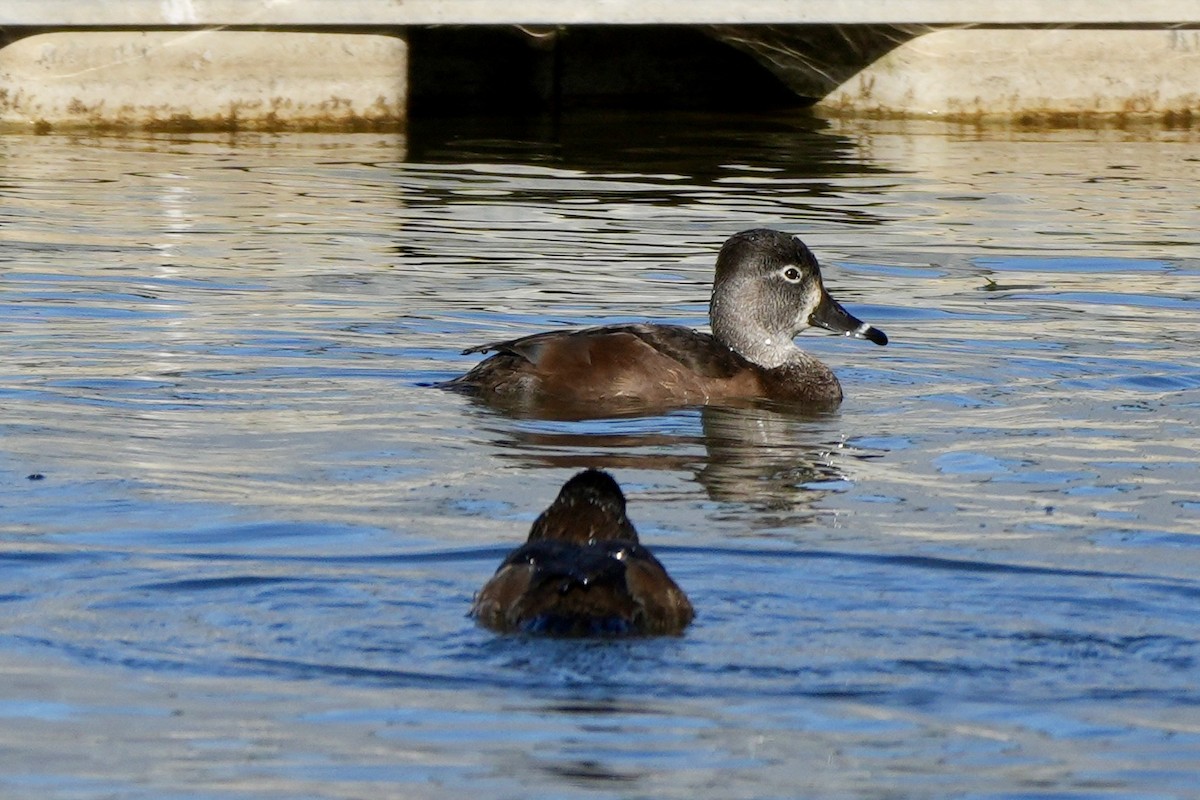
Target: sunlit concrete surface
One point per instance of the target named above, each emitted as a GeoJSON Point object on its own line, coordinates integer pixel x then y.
{"type": "Point", "coordinates": [212, 80]}
{"type": "Point", "coordinates": [577, 12]}
{"type": "Point", "coordinates": [1037, 75]}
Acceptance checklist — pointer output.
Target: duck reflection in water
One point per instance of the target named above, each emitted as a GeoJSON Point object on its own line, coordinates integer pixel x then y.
{"type": "Point", "coordinates": [771, 458]}
{"type": "Point", "coordinates": [583, 572]}
{"type": "Point", "coordinates": [767, 289]}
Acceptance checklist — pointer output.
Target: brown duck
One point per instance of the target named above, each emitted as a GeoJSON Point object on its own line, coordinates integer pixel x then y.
{"type": "Point", "coordinates": [582, 572]}
{"type": "Point", "coordinates": [767, 289]}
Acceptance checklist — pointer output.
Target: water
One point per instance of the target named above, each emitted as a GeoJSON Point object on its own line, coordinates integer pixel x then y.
{"type": "Point", "coordinates": [239, 534]}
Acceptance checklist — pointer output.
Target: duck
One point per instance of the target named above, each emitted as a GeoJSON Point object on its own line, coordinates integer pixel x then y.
{"type": "Point", "coordinates": [583, 573]}
{"type": "Point", "coordinates": [767, 289]}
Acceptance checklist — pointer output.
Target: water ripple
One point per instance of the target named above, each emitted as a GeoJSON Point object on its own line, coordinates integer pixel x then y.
{"type": "Point", "coordinates": [258, 529]}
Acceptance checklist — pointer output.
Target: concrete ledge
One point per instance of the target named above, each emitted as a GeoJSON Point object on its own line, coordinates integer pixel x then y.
{"type": "Point", "coordinates": [1043, 76]}
{"type": "Point", "coordinates": [152, 13]}
{"type": "Point", "coordinates": [203, 80]}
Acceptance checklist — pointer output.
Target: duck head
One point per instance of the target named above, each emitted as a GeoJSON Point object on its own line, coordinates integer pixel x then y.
{"type": "Point", "coordinates": [767, 289]}
{"type": "Point", "coordinates": [589, 508]}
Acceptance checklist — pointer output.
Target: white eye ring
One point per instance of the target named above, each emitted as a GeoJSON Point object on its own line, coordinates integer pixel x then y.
{"type": "Point", "coordinates": [791, 274]}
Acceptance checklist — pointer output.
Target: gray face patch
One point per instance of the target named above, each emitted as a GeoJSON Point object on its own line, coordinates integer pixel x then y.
{"type": "Point", "coordinates": [803, 291]}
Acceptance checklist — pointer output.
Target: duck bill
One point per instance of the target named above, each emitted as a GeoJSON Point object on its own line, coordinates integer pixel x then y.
{"type": "Point", "coordinates": [830, 315]}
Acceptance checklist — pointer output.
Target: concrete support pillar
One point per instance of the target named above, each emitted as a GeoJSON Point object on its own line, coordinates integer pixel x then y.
{"type": "Point", "coordinates": [1058, 76]}
{"type": "Point", "coordinates": [203, 80]}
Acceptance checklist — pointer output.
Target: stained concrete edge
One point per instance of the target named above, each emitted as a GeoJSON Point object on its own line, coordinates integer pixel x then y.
{"type": "Point", "coordinates": [203, 80]}
{"type": "Point", "coordinates": [1036, 75]}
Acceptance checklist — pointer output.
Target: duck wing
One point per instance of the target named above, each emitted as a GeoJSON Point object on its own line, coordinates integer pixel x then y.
{"type": "Point", "coordinates": [697, 352]}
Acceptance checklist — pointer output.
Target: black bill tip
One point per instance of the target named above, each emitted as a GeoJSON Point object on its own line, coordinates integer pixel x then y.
{"type": "Point", "coordinates": [871, 334]}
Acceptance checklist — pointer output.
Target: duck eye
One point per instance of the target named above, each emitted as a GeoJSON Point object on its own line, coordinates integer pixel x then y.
{"type": "Point", "coordinates": [791, 275]}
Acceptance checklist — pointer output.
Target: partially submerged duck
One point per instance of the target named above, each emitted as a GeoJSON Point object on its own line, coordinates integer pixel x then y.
{"type": "Point", "coordinates": [582, 572]}
{"type": "Point", "coordinates": [767, 289]}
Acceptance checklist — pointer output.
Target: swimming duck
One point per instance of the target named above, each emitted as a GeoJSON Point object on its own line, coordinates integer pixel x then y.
{"type": "Point", "coordinates": [582, 572]}
{"type": "Point", "coordinates": [767, 289]}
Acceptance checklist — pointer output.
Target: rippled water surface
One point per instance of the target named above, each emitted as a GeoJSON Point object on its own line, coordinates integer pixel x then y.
{"type": "Point", "coordinates": [239, 533]}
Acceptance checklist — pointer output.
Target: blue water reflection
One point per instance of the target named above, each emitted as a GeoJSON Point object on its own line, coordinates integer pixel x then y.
{"type": "Point", "coordinates": [246, 566]}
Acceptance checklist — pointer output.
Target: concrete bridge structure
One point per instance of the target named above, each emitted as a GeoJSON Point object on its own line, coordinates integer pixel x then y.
{"type": "Point", "coordinates": [355, 64]}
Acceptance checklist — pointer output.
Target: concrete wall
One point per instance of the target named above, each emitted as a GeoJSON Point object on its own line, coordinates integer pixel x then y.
{"type": "Point", "coordinates": [344, 64]}
{"type": "Point", "coordinates": [1032, 76]}
{"type": "Point", "coordinates": [203, 80]}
